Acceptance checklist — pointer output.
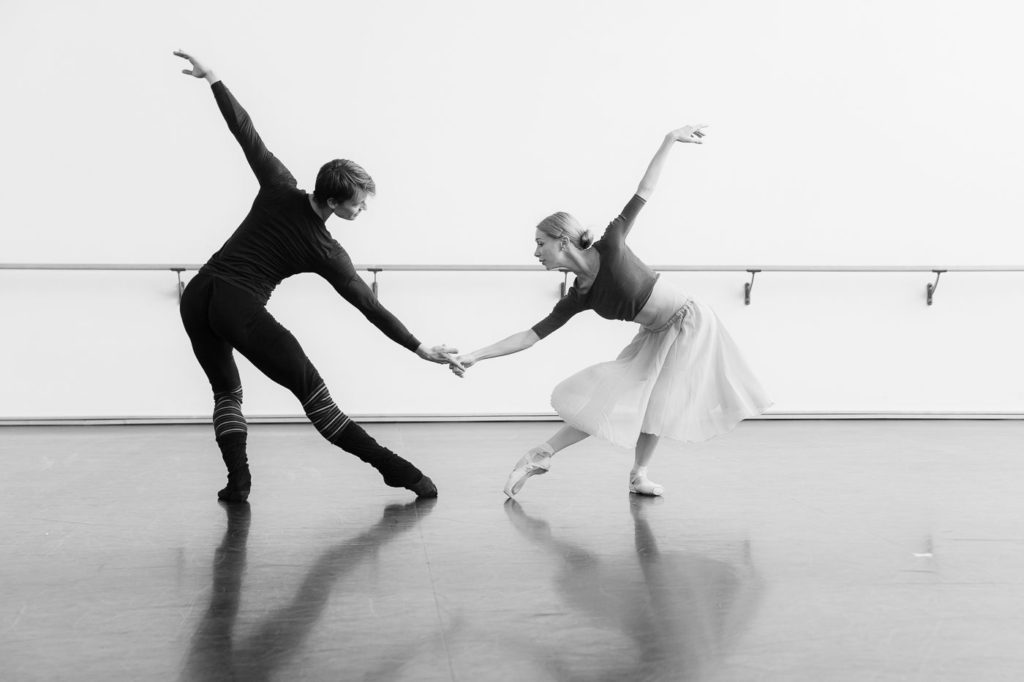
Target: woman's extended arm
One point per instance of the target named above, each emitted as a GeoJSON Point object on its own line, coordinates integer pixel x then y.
{"type": "Point", "coordinates": [507, 346]}
{"type": "Point", "coordinates": [688, 134]}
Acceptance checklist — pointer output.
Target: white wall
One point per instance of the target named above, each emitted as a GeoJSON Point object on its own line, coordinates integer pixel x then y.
{"type": "Point", "coordinates": [842, 133]}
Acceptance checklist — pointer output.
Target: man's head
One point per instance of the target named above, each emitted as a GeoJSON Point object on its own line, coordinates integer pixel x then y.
{"type": "Point", "coordinates": [344, 186]}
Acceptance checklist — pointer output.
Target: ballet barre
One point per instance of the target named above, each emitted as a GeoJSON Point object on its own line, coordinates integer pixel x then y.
{"type": "Point", "coordinates": [376, 269]}
{"type": "Point", "coordinates": [930, 287]}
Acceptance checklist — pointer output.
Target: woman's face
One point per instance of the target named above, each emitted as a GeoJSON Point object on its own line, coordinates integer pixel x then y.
{"type": "Point", "coordinates": [549, 251]}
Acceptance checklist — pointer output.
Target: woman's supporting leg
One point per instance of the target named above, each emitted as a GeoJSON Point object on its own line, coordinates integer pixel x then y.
{"type": "Point", "coordinates": [638, 481]}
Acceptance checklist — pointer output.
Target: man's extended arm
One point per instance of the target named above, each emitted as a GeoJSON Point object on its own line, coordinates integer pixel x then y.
{"type": "Point", "coordinates": [267, 168]}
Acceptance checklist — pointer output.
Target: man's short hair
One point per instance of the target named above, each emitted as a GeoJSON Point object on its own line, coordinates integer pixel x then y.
{"type": "Point", "coordinates": [342, 180]}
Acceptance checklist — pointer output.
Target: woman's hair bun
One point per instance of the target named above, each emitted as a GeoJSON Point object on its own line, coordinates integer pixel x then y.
{"type": "Point", "coordinates": [586, 239]}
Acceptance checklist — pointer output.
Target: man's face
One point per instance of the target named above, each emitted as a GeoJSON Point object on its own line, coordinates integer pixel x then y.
{"type": "Point", "coordinates": [351, 209]}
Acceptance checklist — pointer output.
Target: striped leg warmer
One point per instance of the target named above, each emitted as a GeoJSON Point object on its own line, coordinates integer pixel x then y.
{"type": "Point", "coordinates": [340, 430]}
{"type": "Point", "coordinates": [231, 431]}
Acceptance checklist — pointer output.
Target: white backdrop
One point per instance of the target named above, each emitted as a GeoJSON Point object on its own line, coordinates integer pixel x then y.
{"type": "Point", "coordinates": [841, 133]}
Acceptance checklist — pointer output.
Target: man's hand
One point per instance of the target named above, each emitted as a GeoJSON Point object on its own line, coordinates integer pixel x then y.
{"type": "Point", "coordinates": [197, 70]}
{"type": "Point", "coordinates": [440, 354]}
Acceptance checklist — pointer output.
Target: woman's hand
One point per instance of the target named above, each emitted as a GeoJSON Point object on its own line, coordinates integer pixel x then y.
{"type": "Point", "coordinates": [459, 364]}
{"type": "Point", "coordinates": [197, 70]}
{"type": "Point", "coordinates": [690, 134]}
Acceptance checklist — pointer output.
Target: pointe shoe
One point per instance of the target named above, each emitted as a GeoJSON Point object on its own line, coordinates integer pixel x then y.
{"type": "Point", "coordinates": [424, 487]}
{"type": "Point", "coordinates": [535, 462]}
{"type": "Point", "coordinates": [641, 485]}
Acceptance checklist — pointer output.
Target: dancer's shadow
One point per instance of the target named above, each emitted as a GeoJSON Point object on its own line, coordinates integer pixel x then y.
{"type": "Point", "coordinates": [217, 654]}
{"type": "Point", "coordinates": [680, 611]}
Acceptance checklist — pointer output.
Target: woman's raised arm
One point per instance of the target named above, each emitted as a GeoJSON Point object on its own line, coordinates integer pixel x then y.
{"type": "Point", "coordinates": [686, 134]}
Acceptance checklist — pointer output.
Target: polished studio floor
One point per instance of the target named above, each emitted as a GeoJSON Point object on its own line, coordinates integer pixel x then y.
{"type": "Point", "coordinates": [828, 550]}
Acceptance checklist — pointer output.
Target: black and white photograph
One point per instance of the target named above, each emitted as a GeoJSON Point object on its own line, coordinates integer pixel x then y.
{"type": "Point", "coordinates": [547, 341]}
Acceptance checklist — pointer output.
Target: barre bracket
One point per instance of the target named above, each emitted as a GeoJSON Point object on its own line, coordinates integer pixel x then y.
{"type": "Point", "coordinates": [373, 286]}
{"type": "Point", "coordinates": [181, 285]}
{"type": "Point", "coordinates": [749, 286]}
{"type": "Point", "coordinates": [930, 289]}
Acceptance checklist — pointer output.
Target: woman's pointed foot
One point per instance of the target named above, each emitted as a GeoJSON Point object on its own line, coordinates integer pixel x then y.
{"type": "Point", "coordinates": [535, 462]}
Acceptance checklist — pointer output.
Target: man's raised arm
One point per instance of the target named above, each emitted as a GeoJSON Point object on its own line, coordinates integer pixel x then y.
{"type": "Point", "coordinates": [267, 168]}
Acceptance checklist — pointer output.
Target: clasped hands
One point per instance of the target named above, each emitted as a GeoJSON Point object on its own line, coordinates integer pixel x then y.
{"type": "Point", "coordinates": [446, 355]}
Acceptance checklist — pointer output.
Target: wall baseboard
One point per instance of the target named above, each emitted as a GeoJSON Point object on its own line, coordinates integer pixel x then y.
{"type": "Point", "coordinates": [457, 418]}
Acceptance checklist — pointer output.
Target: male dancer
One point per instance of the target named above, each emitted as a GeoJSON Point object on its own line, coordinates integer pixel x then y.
{"type": "Point", "coordinates": [224, 306]}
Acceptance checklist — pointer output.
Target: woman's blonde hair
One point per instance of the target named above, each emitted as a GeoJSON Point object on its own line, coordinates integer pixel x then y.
{"type": "Point", "coordinates": [561, 224]}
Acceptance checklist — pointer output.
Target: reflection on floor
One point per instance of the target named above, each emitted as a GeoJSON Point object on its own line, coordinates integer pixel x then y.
{"type": "Point", "coordinates": [783, 551]}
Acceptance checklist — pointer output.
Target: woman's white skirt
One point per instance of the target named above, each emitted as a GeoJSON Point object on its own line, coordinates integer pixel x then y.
{"type": "Point", "coordinates": [685, 380]}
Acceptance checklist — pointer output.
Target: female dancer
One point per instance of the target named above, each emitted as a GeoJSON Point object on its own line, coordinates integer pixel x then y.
{"type": "Point", "coordinates": [681, 376]}
{"type": "Point", "coordinates": [224, 306]}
